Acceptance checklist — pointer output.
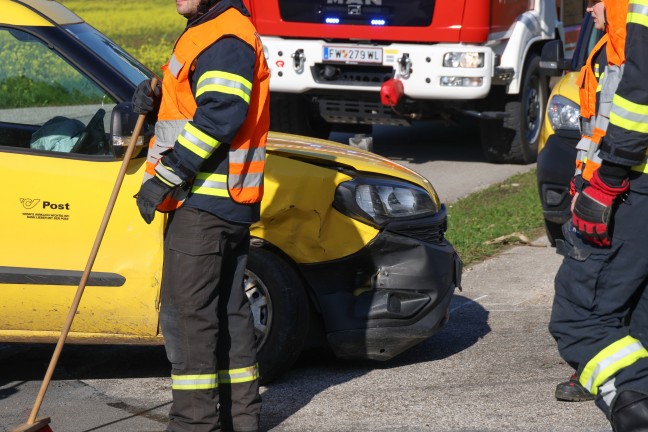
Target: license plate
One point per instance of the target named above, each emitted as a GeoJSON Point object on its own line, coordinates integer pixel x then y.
{"type": "Point", "coordinates": [353, 55]}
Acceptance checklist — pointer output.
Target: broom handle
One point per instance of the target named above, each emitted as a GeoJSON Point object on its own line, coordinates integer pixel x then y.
{"type": "Point", "coordinates": [88, 268]}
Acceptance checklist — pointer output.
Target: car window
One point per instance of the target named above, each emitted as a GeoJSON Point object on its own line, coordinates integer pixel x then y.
{"type": "Point", "coordinates": [46, 103]}
{"type": "Point", "coordinates": [587, 40]}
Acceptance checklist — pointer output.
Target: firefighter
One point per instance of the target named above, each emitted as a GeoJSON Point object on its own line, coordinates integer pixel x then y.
{"type": "Point", "coordinates": [206, 166]}
{"type": "Point", "coordinates": [600, 311]}
{"type": "Point", "coordinates": [598, 80]}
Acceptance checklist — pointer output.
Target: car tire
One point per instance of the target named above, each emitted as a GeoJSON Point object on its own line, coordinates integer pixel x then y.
{"type": "Point", "coordinates": [553, 231]}
{"type": "Point", "coordinates": [280, 310]}
{"type": "Point", "coordinates": [515, 139]}
{"type": "Point", "coordinates": [295, 114]}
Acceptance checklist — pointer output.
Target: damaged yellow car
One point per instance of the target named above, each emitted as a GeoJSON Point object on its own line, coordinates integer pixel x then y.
{"type": "Point", "coordinates": [350, 252]}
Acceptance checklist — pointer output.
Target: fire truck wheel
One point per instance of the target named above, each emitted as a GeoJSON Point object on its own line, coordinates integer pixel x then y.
{"type": "Point", "coordinates": [515, 139]}
{"type": "Point", "coordinates": [280, 310]}
{"type": "Point", "coordinates": [296, 114]}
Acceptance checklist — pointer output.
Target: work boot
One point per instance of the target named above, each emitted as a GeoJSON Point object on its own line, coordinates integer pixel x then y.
{"type": "Point", "coordinates": [573, 391]}
{"type": "Point", "coordinates": [630, 412]}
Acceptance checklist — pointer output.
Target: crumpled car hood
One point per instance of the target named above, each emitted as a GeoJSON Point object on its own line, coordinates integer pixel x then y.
{"type": "Point", "coordinates": [323, 152]}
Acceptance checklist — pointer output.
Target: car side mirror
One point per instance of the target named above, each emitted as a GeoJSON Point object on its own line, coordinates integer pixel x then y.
{"type": "Point", "coordinates": [552, 59]}
{"type": "Point", "coordinates": [122, 124]}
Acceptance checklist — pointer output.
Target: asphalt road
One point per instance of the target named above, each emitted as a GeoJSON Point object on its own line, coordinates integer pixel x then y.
{"type": "Point", "coordinates": [493, 367]}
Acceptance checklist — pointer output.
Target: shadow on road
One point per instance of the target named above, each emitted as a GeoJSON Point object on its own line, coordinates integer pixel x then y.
{"type": "Point", "coordinates": [314, 372]}
{"type": "Point", "coordinates": [29, 362]}
{"type": "Point", "coordinates": [317, 371]}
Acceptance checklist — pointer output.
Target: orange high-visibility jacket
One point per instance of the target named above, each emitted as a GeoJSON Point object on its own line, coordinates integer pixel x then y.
{"type": "Point", "coordinates": [615, 13]}
{"type": "Point", "coordinates": [243, 182]}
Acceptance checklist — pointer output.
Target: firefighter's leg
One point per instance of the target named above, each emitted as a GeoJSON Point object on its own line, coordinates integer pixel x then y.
{"type": "Point", "coordinates": [189, 321]}
{"type": "Point", "coordinates": [238, 370]}
{"type": "Point", "coordinates": [575, 322]}
{"type": "Point", "coordinates": [629, 411]}
{"type": "Point", "coordinates": [596, 289]}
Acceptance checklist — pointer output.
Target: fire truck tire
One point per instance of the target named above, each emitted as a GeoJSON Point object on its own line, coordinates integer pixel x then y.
{"type": "Point", "coordinates": [515, 139]}
{"type": "Point", "coordinates": [280, 310]}
{"type": "Point", "coordinates": [296, 114]}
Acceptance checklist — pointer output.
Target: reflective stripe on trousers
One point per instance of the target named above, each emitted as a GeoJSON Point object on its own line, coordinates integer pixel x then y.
{"type": "Point", "coordinates": [207, 324]}
{"type": "Point", "coordinates": [598, 290]}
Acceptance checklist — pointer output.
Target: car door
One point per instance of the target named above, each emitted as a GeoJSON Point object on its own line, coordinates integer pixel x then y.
{"type": "Point", "coordinates": [54, 196]}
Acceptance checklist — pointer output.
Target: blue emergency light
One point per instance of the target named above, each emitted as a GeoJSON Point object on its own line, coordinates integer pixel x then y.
{"type": "Point", "coordinates": [378, 22]}
{"type": "Point", "coordinates": [332, 20]}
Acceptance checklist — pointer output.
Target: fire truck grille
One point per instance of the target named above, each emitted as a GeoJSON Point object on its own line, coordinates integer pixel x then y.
{"type": "Point", "coordinates": [335, 110]}
{"type": "Point", "coordinates": [351, 75]}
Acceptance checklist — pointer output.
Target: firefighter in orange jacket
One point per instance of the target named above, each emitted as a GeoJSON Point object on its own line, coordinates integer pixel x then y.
{"type": "Point", "coordinates": [598, 80]}
{"type": "Point", "coordinates": [209, 156]}
{"type": "Point", "coordinates": [600, 312]}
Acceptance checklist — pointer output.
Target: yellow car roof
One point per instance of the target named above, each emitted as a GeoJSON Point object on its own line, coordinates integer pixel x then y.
{"type": "Point", "coordinates": [36, 13]}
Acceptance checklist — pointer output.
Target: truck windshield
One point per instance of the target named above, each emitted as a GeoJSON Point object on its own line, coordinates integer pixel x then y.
{"type": "Point", "coordinates": [112, 53]}
{"type": "Point", "coordinates": [414, 13]}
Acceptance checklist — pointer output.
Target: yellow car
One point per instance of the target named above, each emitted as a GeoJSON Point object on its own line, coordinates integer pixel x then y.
{"type": "Point", "coordinates": [560, 131]}
{"type": "Point", "coordinates": [350, 251]}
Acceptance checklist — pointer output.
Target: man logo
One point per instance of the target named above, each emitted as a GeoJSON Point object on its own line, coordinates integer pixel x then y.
{"type": "Point", "coordinates": [29, 203]}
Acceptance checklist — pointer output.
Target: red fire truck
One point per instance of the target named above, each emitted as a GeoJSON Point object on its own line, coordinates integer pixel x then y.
{"type": "Point", "coordinates": [351, 64]}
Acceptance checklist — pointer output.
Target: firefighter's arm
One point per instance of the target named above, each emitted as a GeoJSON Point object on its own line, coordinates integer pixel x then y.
{"type": "Point", "coordinates": [222, 85]}
{"type": "Point", "coordinates": [627, 137]}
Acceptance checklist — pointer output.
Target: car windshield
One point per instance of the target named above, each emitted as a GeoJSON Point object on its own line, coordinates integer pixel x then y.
{"type": "Point", "coordinates": [112, 53]}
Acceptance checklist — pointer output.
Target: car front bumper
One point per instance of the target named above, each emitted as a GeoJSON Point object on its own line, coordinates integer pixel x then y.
{"type": "Point", "coordinates": [555, 169]}
{"type": "Point", "coordinates": [386, 298]}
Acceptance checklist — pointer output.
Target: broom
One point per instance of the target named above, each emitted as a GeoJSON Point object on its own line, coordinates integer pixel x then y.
{"type": "Point", "coordinates": [42, 424]}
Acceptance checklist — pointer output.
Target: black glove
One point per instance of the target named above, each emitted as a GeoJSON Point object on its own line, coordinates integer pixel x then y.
{"type": "Point", "coordinates": [151, 195]}
{"type": "Point", "coordinates": [143, 100]}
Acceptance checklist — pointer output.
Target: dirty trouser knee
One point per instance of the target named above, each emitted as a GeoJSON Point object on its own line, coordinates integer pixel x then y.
{"type": "Point", "coordinates": [597, 289]}
{"type": "Point", "coordinates": [204, 263]}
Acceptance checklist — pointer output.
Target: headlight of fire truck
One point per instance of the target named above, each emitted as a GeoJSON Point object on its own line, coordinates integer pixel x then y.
{"type": "Point", "coordinates": [463, 60]}
{"type": "Point", "coordinates": [563, 113]}
{"type": "Point", "coordinates": [379, 201]}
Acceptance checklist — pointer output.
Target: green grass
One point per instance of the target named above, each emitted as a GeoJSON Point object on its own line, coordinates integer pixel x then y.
{"type": "Point", "coordinates": [147, 29]}
{"type": "Point", "coordinates": [509, 207]}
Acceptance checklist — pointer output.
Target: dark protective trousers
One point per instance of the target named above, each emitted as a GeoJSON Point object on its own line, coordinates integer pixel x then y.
{"type": "Point", "coordinates": [601, 299]}
{"type": "Point", "coordinates": [207, 325]}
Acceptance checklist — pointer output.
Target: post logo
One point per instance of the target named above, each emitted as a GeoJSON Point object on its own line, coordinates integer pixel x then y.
{"type": "Point", "coordinates": [29, 203]}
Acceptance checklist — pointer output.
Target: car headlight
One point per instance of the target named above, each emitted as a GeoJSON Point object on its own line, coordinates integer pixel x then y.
{"type": "Point", "coordinates": [463, 59]}
{"type": "Point", "coordinates": [378, 201]}
{"type": "Point", "coordinates": [563, 113]}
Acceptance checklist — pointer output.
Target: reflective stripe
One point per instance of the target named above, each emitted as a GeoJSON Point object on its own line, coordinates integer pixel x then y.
{"type": "Point", "coordinates": [194, 382]}
{"type": "Point", "coordinates": [247, 180]}
{"type": "Point", "coordinates": [210, 184]}
{"type": "Point", "coordinates": [638, 12]}
{"type": "Point", "coordinates": [587, 126]}
{"type": "Point", "coordinates": [224, 82]}
{"type": "Point", "coordinates": [629, 115]}
{"type": "Point", "coordinates": [167, 175]}
{"type": "Point", "coordinates": [196, 141]}
{"type": "Point", "coordinates": [242, 156]}
{"type": "Point", "coordinates": [643, 168]}
{"type": "Point", "coordinates": [174, 66]}
{"type": "Point", "coordinates": [610, 361]}
{"type": "Point", "coordinates": [241, 375]}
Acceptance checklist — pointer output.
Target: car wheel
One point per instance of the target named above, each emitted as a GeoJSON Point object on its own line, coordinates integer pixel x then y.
{"type": "Point", "coordinates": [294, 113]}
{"type": "Point", "coordinates": [554, 232]}
{"type": "Point", "coordinates": [515, 139]}
{"type": "Point", "coordinates": [280, 310]}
